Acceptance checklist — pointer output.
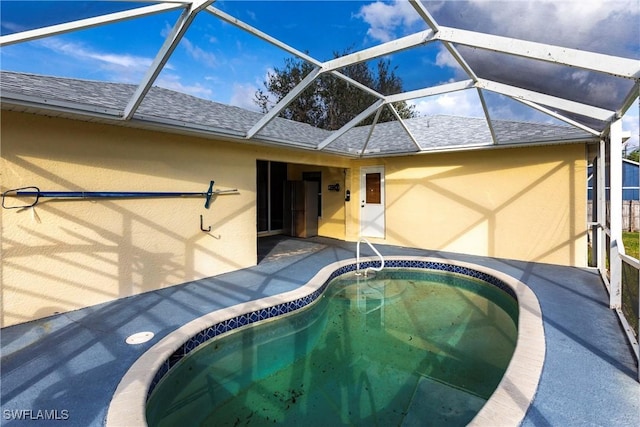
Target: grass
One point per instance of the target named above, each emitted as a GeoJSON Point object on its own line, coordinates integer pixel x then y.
{"type": "Point", "coordinates": [630, 241]}
{"type": "Point", "coordinates": [630, 281]}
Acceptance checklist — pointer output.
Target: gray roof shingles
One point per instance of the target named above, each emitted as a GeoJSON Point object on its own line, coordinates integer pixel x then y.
{"type": "Point", "coordinates": [439, 130]}
{"type": "Point", "coordinates": [83, 92]}
{"type": "Point", "coordinates": [171, 107]}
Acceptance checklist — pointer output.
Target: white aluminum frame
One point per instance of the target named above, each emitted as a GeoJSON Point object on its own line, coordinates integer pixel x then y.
{"type": "Point", "coordinates": [615, 209]}
{"type": "Point", "coordinates": [81, 24]}
{"type": "Point", "coordinates": [612, 276]}
{"type": "Point", "coordinates": [608, 64]}
{"type": "Point", "coordinates": [628, 68]}
{"type": "Point", "coordinates": [613, 65]}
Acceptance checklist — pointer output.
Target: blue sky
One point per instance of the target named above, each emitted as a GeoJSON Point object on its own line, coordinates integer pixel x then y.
{"type": "Point", "coordinates": [219, 62]}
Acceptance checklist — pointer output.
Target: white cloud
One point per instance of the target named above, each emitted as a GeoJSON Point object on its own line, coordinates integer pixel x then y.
{"type": "Point", "coordinates": [631, 123]}
{"type": "Point", "coordinates": [193, 50]}
{"type": "Point", "coordinates": [571, 23]}
{"type": "Point", "coordinates": [387, 19]}
{"type": "Point", "coordinates": [173, 82]}
{"type": "Point", "coordinates": [462, 103]}
{"type": "Point", "coordinates": [580, 76]}
{"type": "Point", "coordinates": [12, 27]}
{"type": "Point", "coordinates": [445, 59]}
{"type": "Point", "coordinates": [131, 68]}
{"type": "Point", "coordinates": [199, 54]}
{"type": "Point", "coordinates": [243, 96]}
{"type": "Point", "coordinates": [122, 67]}
{"type": "Point", "coordinates": [466, 103]}
{"type": "Point", "coordinates": [122, 61]}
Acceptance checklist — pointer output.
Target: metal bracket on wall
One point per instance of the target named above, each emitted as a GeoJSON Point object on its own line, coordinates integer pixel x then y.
{"type": "Point", "coordinates": [34, 194]}
{"type": "Point", "coordinates": [202, 226]}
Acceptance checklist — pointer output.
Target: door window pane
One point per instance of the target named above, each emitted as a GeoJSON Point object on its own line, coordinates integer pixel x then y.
{"type": "Point", "coordinates": [373, 188]}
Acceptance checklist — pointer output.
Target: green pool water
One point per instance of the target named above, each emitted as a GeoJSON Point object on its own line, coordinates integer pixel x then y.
{"type": "Point", "coordinates": [404, 348]}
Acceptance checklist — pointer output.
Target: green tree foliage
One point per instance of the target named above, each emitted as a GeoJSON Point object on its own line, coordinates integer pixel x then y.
{"type": "Point", "coordinates": [331, 102]}
{"type": "Point", "coordinates": [634, 155]}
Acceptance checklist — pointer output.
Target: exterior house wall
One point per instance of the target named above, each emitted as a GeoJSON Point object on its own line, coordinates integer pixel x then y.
{"type": "Point", "coordinates": [68, 254]}
{"type": "Point", "coordinates": [525, 203]}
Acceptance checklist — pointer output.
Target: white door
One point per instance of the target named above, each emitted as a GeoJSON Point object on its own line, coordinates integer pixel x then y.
{"type": "Point", "coordinates": [372, 201]}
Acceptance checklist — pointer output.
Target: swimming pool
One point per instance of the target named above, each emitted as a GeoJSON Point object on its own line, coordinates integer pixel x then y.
{"type": "Point", "coordinates": [506, 405]}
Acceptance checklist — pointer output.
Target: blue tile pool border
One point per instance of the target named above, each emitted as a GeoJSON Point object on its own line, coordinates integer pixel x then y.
{"type": "Point", "coordinates": [288, 307]}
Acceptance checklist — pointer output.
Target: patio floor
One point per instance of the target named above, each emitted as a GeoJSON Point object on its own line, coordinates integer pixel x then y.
{"type": "Point", "coordinates": [73, 362]}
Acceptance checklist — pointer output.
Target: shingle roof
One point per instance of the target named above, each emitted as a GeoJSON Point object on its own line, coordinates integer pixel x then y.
{"type": "Point", "coordinates": [167, 104]}
{"type": "Point", "coordinates": [83, 92]}
{"type": "Point", "coordinates": [520, 132]}
{"type": "Point", "coordinates": [173, 109]}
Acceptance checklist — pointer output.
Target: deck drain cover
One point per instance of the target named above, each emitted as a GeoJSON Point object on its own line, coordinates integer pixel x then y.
{"type": "Point", "coordinates": [139, 338]}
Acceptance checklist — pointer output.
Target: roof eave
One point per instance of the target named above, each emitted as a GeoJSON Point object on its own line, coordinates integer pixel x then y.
{"type": "Point", "coordinates": [46, 106]}
{"type": "Point", "coordinates": [492, 146]}
{"type": "Point", "coordinates": [10, 101]}
{"type": "Point", "coordinates": [87, 113]}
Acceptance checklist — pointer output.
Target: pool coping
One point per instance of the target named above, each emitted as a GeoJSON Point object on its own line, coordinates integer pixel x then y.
{"type": "Point", "coordinates": [507, 406]}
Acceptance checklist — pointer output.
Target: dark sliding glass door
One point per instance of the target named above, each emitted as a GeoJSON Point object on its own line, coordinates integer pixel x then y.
{"type": "Point", "coordinates": [271, 178]}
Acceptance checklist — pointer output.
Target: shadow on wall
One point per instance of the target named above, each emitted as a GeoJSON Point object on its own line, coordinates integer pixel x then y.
{"type": "Point", "coordinates": [526, 211]}
{"type": "Point", "coordinates": [63, 255]}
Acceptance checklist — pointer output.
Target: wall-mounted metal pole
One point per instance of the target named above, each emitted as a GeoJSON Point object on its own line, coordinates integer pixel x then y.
{"type": "Point", "coordinates": [36, 194]}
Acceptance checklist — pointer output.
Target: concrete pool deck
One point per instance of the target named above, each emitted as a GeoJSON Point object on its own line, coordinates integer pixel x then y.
{"type": "Point", "coordinates": [72, 363]}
